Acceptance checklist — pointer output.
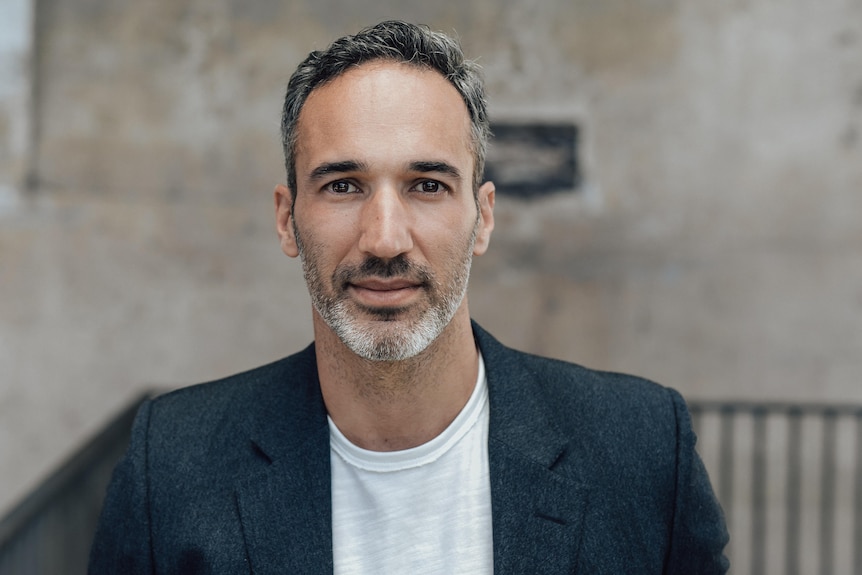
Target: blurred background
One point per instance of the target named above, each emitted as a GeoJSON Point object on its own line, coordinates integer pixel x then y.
{"type": "Point", "coordinates": [709, 237]}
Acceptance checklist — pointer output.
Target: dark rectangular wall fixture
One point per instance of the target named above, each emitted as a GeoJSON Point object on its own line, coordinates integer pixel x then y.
{"type": "Point", "coordinates": [532, 160]}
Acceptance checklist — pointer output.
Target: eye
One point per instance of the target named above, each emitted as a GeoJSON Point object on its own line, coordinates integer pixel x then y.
{"type": "Point", "coordinates": [429, 187]}
{"type": "Point", "coordinates": [342, 187]}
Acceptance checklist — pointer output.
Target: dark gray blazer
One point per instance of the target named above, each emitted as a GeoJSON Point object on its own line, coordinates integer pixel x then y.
{"type": "Point", "coordinates": [591, 473]}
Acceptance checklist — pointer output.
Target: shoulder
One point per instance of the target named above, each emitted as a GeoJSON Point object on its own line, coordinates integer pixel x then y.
{"type": "Point", "coordinates": [287, 376]}
{"type": "Point", "coordinates": [623, 413]}
{"type": "Point", "coordinates": [210, 424]}
{"type": "Point", "coordinates": [605, 392]}
{"type": "Point", "coordinates": [570, 384]}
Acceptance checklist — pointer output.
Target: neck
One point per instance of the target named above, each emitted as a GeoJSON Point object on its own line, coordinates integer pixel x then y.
{"type": "Point", "coordinates": [394, 405]}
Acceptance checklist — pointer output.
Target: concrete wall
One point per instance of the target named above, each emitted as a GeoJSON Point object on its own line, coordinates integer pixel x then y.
{"type": "Point", "coordinates": [714, 245]}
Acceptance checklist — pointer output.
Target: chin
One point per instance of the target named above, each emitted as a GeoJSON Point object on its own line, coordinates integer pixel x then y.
{"type": "Point", "coordinates": [389, 337]}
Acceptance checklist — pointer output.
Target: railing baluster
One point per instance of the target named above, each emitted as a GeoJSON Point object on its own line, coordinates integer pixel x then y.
{"type": "Point", "coordinates": [857, 515]}
{"type": "Point", "coordinates": [758, 494]}
{"type": "Point", "coordinates": [791, 550]}
{"type": "Point", "coordinates": [827, 494]}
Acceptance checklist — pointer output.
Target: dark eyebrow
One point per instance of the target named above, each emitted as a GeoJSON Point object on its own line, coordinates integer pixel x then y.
{"type": "Point", "coordinates": [439, 167]}
{"type": "Point", "coordinates": [330, 168]}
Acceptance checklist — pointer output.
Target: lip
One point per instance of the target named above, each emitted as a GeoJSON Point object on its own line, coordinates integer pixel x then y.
{"type": "Point", "coordinates": [377, 292]}
{"type": "Point", "coordinates": [377, 284]}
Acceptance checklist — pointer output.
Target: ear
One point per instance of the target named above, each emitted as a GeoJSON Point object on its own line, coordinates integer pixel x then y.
{"type": "Point", "coordinates": [486, 196]}
{"type": "Point", "coordinates": [284, 220]}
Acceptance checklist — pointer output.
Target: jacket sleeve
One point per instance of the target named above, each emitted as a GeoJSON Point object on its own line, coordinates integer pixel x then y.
{"type": "Point", "coordinates": [699, 530]}
{"type": "Point", "coordinates": [123, 538]}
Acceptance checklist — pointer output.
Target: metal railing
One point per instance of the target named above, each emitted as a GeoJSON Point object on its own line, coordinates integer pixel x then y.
{"type": "Point", "coordinates": [51, 530]}
{"type": "Point", "coordinates": [789, 477]}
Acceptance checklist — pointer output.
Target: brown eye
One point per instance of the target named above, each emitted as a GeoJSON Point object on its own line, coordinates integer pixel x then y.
{"type": "Point", "coordinates": [341, 187]}
{"type": "Point", "coordinates": [430, 187]}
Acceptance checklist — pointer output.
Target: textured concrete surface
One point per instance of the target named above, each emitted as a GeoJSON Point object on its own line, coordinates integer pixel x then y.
{"type": "Point", "coordinates": [714, 246]}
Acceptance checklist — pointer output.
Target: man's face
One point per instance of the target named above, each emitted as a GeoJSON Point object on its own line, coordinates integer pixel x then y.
{"type": "Point", "coordinates": [385, 219]}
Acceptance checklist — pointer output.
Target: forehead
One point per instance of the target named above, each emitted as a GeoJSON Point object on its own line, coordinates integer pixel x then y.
{"type": "Point", "coordinates": [384, 109]}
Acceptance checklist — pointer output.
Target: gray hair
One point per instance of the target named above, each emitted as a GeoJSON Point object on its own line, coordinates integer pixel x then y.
{"type": "Point", "coordinates": [399, 42]}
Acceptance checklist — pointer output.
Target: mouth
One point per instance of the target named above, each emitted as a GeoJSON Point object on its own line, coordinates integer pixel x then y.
{"type": "Point", "coordinates": [385, 292]}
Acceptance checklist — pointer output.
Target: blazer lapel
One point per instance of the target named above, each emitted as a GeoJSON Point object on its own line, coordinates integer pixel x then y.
{"type": "Point", "coordinates": [537, 512]}
{"type": "Point", "coordinates": [285, 503]}
{"type": "Point", "coordinates": [288, 507]}
{"type": "Point", "coordinates": [537, 516]}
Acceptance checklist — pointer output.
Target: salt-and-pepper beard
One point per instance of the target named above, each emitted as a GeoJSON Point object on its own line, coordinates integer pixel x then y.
{"type": "Point", "coordinates": [386, 337]}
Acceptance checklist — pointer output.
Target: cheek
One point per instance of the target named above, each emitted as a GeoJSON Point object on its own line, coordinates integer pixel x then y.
{"type": "Point", "coordinates": [452, 243]}
{"type": "Point", "coordinates": [324, 246]}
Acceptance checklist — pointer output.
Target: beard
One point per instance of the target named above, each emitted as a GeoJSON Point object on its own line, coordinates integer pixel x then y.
{"type": "Point", "coordinates": [388, 333]}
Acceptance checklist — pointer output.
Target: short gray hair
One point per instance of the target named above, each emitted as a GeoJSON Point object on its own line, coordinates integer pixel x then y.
{"type": "Point", "coordinates": [396, 41]}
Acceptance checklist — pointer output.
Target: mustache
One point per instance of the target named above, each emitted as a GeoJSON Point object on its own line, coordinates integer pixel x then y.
{"type": "Point", "coordinates": [373, 266]}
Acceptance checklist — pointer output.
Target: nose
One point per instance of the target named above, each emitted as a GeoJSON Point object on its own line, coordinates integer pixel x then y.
{"type": "Point", "coordinates": [385, 224]}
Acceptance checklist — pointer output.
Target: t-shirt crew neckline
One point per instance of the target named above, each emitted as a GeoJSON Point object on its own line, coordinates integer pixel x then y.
{"type": "Point", "coordinates": [429, 452]}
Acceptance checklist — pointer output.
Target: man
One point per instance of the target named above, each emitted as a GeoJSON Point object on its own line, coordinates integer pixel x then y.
{"type": "Point", "coordinates": [405, 439]}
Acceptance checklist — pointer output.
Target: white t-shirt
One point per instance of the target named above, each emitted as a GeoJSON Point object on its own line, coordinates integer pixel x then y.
{"type": "Point", "coordinates": [424, 510]}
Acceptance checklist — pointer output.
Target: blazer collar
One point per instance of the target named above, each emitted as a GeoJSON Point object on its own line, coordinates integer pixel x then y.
{"type": "Point", "coordinates": [537, 511]}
